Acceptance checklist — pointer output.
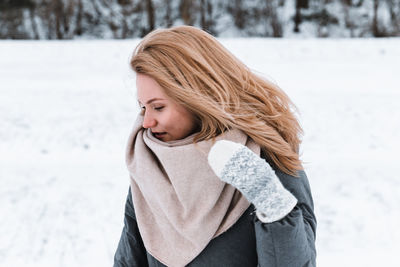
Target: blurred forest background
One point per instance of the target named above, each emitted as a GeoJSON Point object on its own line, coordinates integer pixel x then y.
{"type": "Point", "coordinates": [120, 19]}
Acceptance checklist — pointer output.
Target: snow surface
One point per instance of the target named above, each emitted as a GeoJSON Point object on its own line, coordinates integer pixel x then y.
{"type": "Point", "coordinates": [66, 109]}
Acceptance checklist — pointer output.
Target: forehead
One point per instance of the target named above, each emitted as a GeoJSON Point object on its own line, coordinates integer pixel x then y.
{"type": "Point", "coordinates": [148, 88]}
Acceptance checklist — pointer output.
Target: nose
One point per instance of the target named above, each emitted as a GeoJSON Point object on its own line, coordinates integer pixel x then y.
{"type": "Point", "coordinates": [148, 121]}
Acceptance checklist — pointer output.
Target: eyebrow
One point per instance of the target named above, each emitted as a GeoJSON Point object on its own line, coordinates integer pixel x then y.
{"type": "Point", "coordinates": [152, 100]}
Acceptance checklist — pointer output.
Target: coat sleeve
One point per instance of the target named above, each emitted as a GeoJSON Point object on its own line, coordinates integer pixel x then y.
{"type": "Point", "coordinates": [131, 251]}
{"type": "Point", "coordinates": [291, 240]}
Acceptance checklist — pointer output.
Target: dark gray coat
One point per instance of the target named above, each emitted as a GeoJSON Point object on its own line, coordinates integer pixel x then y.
{"type": "Point", "coordinates": [249, 242]}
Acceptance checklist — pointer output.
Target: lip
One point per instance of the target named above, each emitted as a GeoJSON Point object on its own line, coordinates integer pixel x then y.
{"type": "Point", "coordinates": [159, 134]}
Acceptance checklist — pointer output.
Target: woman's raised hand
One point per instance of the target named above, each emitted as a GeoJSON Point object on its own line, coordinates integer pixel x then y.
{"type": "Point", "coordinates": [237, 165]}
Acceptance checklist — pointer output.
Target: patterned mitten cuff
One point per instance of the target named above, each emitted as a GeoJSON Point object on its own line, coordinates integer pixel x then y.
{"type": "Point", "coordinates": [237, 165]}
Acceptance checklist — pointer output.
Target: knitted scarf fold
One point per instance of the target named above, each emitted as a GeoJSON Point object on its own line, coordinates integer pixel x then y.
{"type": "Point", "coordinates": [180, 204]}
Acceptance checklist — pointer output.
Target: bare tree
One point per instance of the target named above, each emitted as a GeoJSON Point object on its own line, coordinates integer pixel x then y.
{"type": "Point", "coordinates": [168, 13]}
{"type": "Point", "coordinates": [375, 27]}
{"type": "Point", "coordinates": [207, 16]}
{"type": "Point", "coordinates": [348, 21]}
{"type": "Point", "coordinates": [272, 19]}
{"type": "Point", "coordinates": [203, 9]}
{"type": "Point", "coordinates": [79, 16]}
{"type": "Point", "coordinates": [297, 17]}
{"type": "Point", "coordinates": [239, 13]}
{"type": "Point", "coordinates": [187, 10]}
{"type": "Point", "coordinates": [67, 19]}
{"type": "Point", "coordinates": [150, 15]}
{"type": "Point", "coordinates": [32, 17]}
{"type": "Point", "coordinates": [12, 17]}
{"type": "Point", "coordinates": [394, 11]}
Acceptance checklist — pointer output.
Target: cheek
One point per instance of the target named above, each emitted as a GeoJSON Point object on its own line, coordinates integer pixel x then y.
{"type": "Point", "coordinates": [169, 120]}
{"type": "Point", "coordinates": [181, 120]}
{"type": "Point", "coordinates": [187, 121]}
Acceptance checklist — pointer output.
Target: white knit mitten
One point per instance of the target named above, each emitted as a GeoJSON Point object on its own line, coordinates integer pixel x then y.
{"type": "Point", "coordinates": [237, 165]}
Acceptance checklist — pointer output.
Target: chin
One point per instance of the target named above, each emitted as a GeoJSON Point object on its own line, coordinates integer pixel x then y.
{"type": "Point", "coordinates": [165, 138]}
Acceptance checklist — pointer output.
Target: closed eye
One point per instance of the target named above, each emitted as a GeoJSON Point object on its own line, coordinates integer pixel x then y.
{"type": "Point", "coordinates": [158, 108]}
{"type": "Point", "coordinates": [142, 110]}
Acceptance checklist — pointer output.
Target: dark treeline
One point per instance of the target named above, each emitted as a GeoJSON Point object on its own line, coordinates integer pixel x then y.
{"type": "Point", "coordinates": [119, 19]}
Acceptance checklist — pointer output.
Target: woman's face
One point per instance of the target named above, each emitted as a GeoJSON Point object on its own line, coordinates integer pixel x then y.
{"type": "Point", "coordinates": [167, 119]}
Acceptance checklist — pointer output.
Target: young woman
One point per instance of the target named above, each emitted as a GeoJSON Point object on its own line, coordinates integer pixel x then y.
{"type": "Point", "coordinates": [215, 174]}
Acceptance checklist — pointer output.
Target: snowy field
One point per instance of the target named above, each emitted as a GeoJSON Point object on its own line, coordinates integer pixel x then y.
{"type": "Point", "coordinates": [66, 109]}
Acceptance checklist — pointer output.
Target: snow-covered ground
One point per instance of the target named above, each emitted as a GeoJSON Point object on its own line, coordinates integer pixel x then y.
{"type": "Point", "coordinates": [66, 109]}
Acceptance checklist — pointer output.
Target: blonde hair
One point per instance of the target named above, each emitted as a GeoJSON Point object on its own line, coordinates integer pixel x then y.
{"type": "Point", "coordinates": [199, 73]}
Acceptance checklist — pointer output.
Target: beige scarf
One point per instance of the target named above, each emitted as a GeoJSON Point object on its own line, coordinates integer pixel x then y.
{"type": "Point", "coordinates": [180, 204]}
